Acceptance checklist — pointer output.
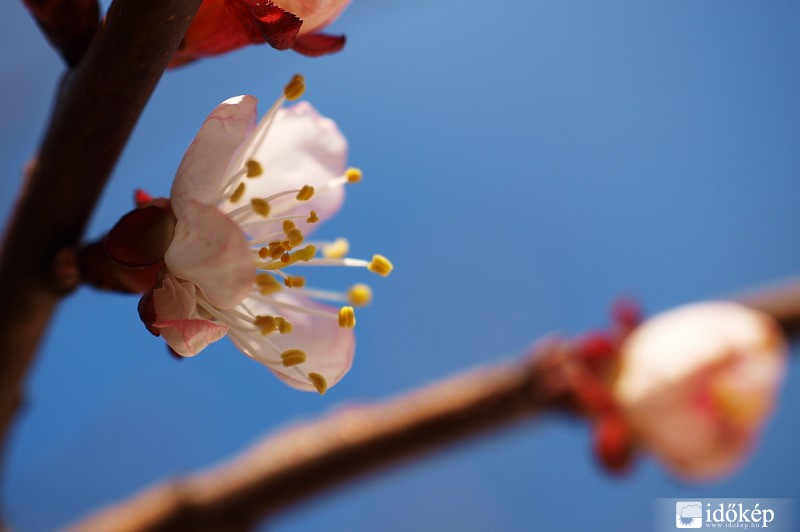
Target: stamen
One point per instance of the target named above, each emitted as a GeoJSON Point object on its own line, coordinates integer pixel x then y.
{"type": "Point", "coordinates": [238, 193]}
{"type": "Point", "coordinates": [266, 324]}
{"type": "Point", "coordinates": [267, 284]}
{"type": "Point", "coordinates": [294, 281]}
{"type": "Point", "coordinates": [353, 175]}
{"type": "Point", "coordinates": [284, 326]}
{"type": "Point", "coordinates": [326, 313]}
{"type": "Point", "coordinates": [260, 206]}
{"type": "Point", "coordinates": [306, 193]}
{"type": "Point", "coordinates": [319, 382]}
{"type": "Point", "coordinates": [295, 237]}
{"type": "Point", "coordinates": [359, 295]}
{"type": "Point", "coordinates": [312, 218]}
{"type": "Point", "coordinates": [288, 225]}
{"type": "Point", "coordinates": [257, 347]}
{"type": "Point", "coordinates": [287, 259]}
{"type": "Point", "coordinates": [346, 261]}
{"type": "Point", "coordinates": [337, 249]}
{"type": "Point", "coordinates": [254, 168]}
{"type": "Point", "coordinates": [234, 319]}
{"type": "Point", "coordinates": [295, 88]}
{"type": "Point", "coordinates": [347, 318]}
{"type": "Point", "coordinates": [380, 265]}
{"type": "Point", "coordinates": [276, 250]}
{"type": "Point", "coordinates": [293, 357]}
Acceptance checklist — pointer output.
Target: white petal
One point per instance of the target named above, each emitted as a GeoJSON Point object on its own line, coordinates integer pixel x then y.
{"type": "Point", "coordinates": [329, 348]}
{"type": "Point", "coordinates": [205, 166]}
{"type": "Point", "coordinates": [211, 251]}
{"type": "Point", "coordinates": [301, 148]}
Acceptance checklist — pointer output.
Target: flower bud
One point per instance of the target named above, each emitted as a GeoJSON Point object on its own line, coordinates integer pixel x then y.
{"type": "Point", "coordinates": [698, 382]}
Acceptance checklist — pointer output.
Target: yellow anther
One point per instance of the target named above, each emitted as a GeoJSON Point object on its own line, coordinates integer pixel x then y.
{"type": "Point", "coordinates": [266, 324]}
{"type": "Point", "coordinates": [295, 88]}
{"type": "Point", "coordinates": [380, 265]}
{"type": "Point", "coordinates": [275, 250]}
{"type": "Point", "coordinates": [306, 193]}
{"type": "Point", "coordinates": [287, 259]}
{"type": "Point", "coordinates": [293, 357]}
{"type": "Point", "coordinates": [312, 218]}
{"type": "Point", "coordinates": [270, 289]}
{"type": "Point", "coordinates": [337, 249]}
{"type": "Point", "coordinates": [347, 318]}
{"type": "Point", "coordinates": [263, 253]}
{"type": "Point", "coordinates": [294, 281]}
{"type": "Point", "coordinates": [359, 295]}
{"type": "Point", "coordinates": [288, 225]}
{"type": "Point", "coordinates": [238, 193]}
{"type": "Point", "coordinates": [284, 326]}
{"type": "Point", "coordinates": [260, 206]}
{"type": "Point", "coordinates": [286, 245]}
{"type": "Point", "coordinates": [319, 382]}
{"type": "Point", "coordinates": [267, 284]}
{"type": "Point", "coordinates": [305, 254]}
{"type": "Point", "coordinates": [254, 168]}
{"type": "Point", "coordinates": [263, 279]}
{"type": "Point", "coordinates": [353, 175]}
{"type": "Point", "coordinates": [295, 237]}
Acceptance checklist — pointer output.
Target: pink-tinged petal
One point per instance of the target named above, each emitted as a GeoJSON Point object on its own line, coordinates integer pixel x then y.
{"type": "Point", "coordinates": [316, 14]}
{"type": "Point", "coordinates": [205, 166]}
{"type": "Point", "coordinates": [211, 251]}
{"type": "Point", "coordinates": [170, 311]}
{"type": "Point", "coordinates": [189, 337]}
{"type": "Point", "coordinates": [698, 383]}
{"type": "Point", "coordinates": [301, 148]}
{"type": "Point", "coordinates": [329, 348]}
{"type": "Point", "coordinates": [224, 25]}
{"type": "Point", "coordinates": [317, 44]}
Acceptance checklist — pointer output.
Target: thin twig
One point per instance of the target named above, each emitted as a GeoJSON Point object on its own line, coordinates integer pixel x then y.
{"type": "Point", "coordinates": [99, 105]}
{"type": "Point", "coordinates": [781, 300]}
{"type": "Point", "coordinates": [306, 459]}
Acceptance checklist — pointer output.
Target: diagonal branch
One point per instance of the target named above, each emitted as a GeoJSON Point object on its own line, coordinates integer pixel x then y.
{"type": "Point", "coordinates": [99, 104]}
{"type": "Point", "coordinates": [307, 459]}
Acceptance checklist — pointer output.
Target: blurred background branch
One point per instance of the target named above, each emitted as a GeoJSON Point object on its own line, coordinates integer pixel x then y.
{"type": "Point", "coordinates": [94, 114]}
{"type": "Point", "coordinates": [308, 458]}
{"type": "Point", "coordinates": [303, 461]}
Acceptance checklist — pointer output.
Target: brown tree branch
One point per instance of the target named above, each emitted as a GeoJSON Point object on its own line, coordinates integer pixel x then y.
{"type": "Point", "coordinates": [69, 25]}
{"type": "Point", "coordinates": [308, 458]}
{"type": "Point", "coordinates": [303, 461]}
{"type": "Point", "coordinates": [100, 102]}
{"type": "Point", "coordinates": [781, 300]}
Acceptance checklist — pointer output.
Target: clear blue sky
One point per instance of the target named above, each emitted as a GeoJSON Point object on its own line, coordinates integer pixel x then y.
{"type": "Point", "coordinates": [525, 162]}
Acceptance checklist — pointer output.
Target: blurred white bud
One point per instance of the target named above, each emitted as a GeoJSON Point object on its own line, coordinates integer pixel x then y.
{"type": "Point", "coordinates": [698, 382]}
